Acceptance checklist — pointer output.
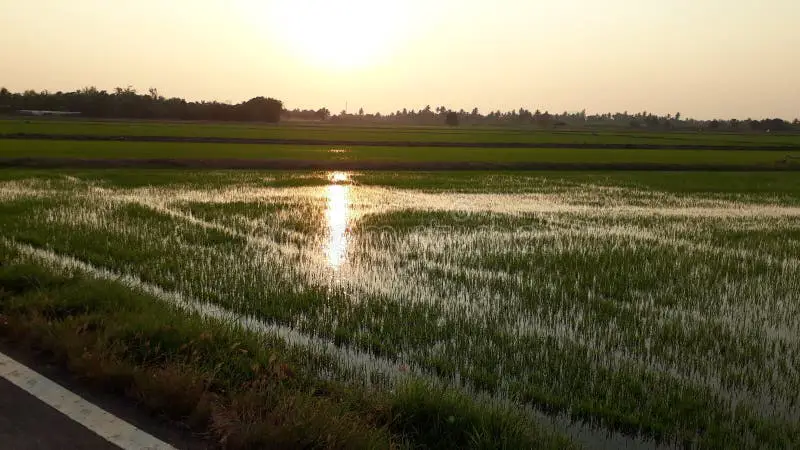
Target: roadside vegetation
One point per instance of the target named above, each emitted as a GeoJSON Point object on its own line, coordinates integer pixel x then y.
{"type": "Point", "coordinates": [235, 387]}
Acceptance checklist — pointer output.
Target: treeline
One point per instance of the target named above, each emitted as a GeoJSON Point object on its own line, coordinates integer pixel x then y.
{"type": "Point", "coordinates": [307, 114]}
{"type": "Point", "coordinates": [127, 103]}
{"type": "Point", "coordinates": [546, 120]}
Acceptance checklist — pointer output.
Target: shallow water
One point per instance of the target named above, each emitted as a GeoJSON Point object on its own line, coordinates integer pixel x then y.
{"type": "Point", "coordinates": [575, 288]}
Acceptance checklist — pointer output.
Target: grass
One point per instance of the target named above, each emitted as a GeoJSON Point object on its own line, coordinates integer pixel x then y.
{"type": "Point", "coordinates": [149, 150]}
{"type": "Point", "coordinates": [778, 186]}
{"type": "Point", "coordinates": [386, 133]}
{"type": "Point", "coordinates": [774, 184]}
{"type": "Point", "coordinates": [655, 306]}
{"type": "Point", "coordinates": [200, 373]}
{"type": "Point", "coordinates": [243, 391]}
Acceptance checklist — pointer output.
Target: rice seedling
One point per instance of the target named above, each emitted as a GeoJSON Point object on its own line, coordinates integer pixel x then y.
{"type": "Point", "coordinates": [664, 317]}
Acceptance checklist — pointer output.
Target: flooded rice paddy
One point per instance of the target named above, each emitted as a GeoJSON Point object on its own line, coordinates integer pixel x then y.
{"type": "Point", "coordinates": [657, 319]}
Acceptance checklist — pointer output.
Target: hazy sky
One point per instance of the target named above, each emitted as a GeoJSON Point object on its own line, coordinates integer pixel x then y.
{"type": "Point", "coordinates": [704, 58]}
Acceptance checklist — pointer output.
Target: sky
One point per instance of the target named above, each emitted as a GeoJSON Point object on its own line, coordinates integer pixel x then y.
{"type": "Point", "coordinates": [704, 58]}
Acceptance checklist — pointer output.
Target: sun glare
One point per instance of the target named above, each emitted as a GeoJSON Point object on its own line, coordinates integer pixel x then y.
{"type": "Point", "coordinates": [340, 34]}
{"type": "Point", "coordinates": [338, 177]}
{"type": "Point", "coordinates": [338, 215]}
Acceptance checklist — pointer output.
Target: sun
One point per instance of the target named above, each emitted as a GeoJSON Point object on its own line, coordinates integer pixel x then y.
{"type": "Point", "coordinates": [339, 34]}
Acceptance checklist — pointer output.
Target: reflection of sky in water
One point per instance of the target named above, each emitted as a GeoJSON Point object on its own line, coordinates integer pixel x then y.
{"type": "Point", "coordinates": [337, 213]}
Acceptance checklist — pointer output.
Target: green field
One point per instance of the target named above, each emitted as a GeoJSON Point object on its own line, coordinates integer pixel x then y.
{"type": "Point", "coordinates": [389, 133]}
{"type": "Point", "coordinates": [657, 307]}
{"type": "Point", "coordinates": [749, 155]}
{"type": "Point", "coordinates": [754, 158]}
{"type": "Point", "coordinates": [151, 150]}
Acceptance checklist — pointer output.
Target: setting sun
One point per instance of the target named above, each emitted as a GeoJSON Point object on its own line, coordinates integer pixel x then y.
{"type": "Point", "coordinates": [343, 34]}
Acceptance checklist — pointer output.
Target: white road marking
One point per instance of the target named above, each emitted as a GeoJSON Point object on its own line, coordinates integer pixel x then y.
{"type": "Point", "coordinates": [97, 420]}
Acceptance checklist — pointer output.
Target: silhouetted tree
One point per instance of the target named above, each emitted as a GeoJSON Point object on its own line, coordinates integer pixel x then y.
{"type": "Point", "coordinates": [323, 114]}
{"type": "Point", "coordinates": [260, 109]}
{"type": "Point", "coordinates": [5, 101]}
{"type": "Point", "coordinates": [543, 119]}
{"type": "Point", "coordinates": [127, 103]}
{"type": "Point", "coordinates": [452, 119]}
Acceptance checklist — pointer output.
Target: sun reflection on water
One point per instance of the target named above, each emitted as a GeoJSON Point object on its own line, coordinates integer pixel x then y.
{"type": "Point", "coordinates": [338, 177]}
{"type": "Point", "coordinates": [337, 213]}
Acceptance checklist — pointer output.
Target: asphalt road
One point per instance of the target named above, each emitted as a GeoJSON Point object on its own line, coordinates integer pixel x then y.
{"type": "Point", "coordinates": [27, 424]}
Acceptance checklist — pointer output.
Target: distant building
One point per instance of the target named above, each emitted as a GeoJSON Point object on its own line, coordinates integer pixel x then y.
{"type": "Point", "coordinates": [36, 112]}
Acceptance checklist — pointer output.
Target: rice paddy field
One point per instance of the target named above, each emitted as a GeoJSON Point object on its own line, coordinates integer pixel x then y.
{"type": "Point", "coordinates": [628, 310]}
{"type": "Point", "coordinates": [389, 133]}
{"type": "Point", "coordinates": [48, 143]}
{"type": "Point", "coordinates": [109, 151]}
